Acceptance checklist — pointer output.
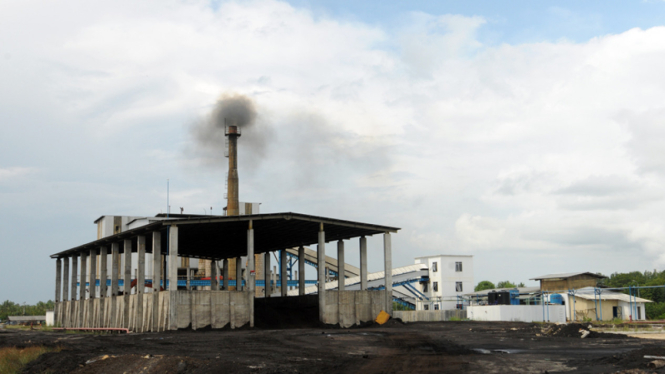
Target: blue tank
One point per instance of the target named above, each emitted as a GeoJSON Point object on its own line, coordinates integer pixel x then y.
{"type": "Point", "coordinates": [556, 299]}
{"type": "Point", "coordinates": [514, 297]}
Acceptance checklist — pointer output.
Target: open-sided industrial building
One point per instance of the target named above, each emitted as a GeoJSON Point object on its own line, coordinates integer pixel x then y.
{"type": "Point", "coordinates": [168, 306]}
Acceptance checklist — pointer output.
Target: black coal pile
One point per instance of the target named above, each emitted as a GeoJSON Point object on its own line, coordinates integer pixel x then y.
{"type": "Point", "coordinates": [576, 330]}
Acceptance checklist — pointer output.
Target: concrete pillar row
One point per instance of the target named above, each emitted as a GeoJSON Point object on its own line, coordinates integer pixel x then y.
{"type": "Point", "coordinates": [363, 263]}
{"type": "Point", "coordinates": [58, 279]}
{"type": "Point", "coordinates": [388, 271]}
{"type": "Point", "coordinates": [92, 278]}
{"type": "Point", "coordinates": [65, 280]}
{"type": "Point", "coordinates": [284, 279]}
{"type": "Point", "coordinates": [341, 272]}
{"type": "Point", "coordinates": [266, 274]}
{"type": "Point", "coordinates": [103, 271]}
{"type": "Point", "coordinates": [74, 276]}
{"type": "Point", "coordinates": [321, 267]}
{"type": "Point", "coordinates": [301, 270]}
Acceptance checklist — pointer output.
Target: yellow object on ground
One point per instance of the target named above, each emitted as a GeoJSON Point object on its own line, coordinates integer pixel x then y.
{"type": "Point", "coordinates": [382, 318]}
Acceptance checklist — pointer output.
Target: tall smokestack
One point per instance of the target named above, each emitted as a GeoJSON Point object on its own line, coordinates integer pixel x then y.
{"type": "Point", "coordinates": [232, 133]}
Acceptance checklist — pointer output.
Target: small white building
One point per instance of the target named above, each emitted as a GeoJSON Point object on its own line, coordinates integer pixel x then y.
{"type": "Point", "coordinates": [608, 305]}
{"type": "Point", "coordinates": [450, 277]}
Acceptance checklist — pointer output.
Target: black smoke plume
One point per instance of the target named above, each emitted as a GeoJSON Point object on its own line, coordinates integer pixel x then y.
{"type": "Point", "coordinates": [208, 137]}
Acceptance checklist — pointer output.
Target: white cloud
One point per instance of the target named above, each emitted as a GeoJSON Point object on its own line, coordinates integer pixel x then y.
{"type": "Point", "coordinates": [15, 172]}
{"type": "Point", "coordinates": [523, 151]}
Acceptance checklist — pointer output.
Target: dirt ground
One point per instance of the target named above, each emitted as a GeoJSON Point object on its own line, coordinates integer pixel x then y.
{"type": "Point", "coordinates": [450, 347]}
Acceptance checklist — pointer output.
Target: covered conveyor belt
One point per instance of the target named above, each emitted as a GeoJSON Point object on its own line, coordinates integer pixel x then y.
{"type": "Point", "coordinates": [331, 263]}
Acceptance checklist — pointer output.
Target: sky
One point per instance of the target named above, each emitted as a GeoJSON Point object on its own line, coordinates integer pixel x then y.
{"type": "Point", "coordinates": [527, 134]}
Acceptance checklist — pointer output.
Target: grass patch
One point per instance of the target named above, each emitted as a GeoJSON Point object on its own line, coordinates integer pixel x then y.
{"type": "Point", "coordinates": [455, 319]}
{"type": "Point", "coordinates": [12, 359]}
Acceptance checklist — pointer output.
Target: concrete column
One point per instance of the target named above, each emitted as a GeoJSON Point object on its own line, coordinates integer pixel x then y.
{"type": "Point", "coordinates": [74, 276]}
{"type": "Point", "coordinates": [225, 275]}
{"type": "Point", "coordinates": [115, 266]}
{"type": "Point", "coordinates": [173, 258]}
{"type": "Point", "coordinates": [388, 269]}
{"type": "Point", "coordinates": [65, 280]}
{"type": "Point", "coordinates": [341, 272]}
{"type": "Point", "coordinates": [188, 285]}
{"type": "Point", "coordinates": [140, 282]}
{"type": "Point", "coordinates": [82, 289]}
{"type": "Point", "coordinates": [239, 274]}
{"type": "Point", "coordinates": [103, 270]}
{"type": "Point", "coordinates": [92, 286]}
{"type": "Point", "coordinates": [127, 279]}
{"type": "Point", "coordinates": [58, 279]}
{"type": "Point", "coordinates": [173, 276]}
{"type": "Point", "coordinates": [156, 260]}
{"type": "Point", "coordinates": [250, 272]}
{"type": "Point", "coordinates": [301, 270]}
{"type": "Point", "coordinates": [156, 276]}
{"type": "Point", "coordinates": [321, 267]}
{"type": "Point", "coordinates": [284, 279]}
{"type": "Point", "coordinates": [266, 274]}
{"type": "Point", "coordinates": [214, 280]}
{"type": "Point", "coordinates": [82, 280]}
{"type": "Point", "coordinates": [363, 263]}
{"type": "Point", "coordinates": [93, 275]}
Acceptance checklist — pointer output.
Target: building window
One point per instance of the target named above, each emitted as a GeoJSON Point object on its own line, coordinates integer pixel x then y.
{"type": "Point", "coordinates": [458, 287]}
{"type": "Point", "coordinates": [435, 286]}
{"type": "Point", "coordinates": [436, 306]}
{"type": "Point", "coordinates": [425, 287]}
{"type": "Point", "coordinates": [426, 307]}
{"type": "Point", "coordinates": [434, 267]}
{"type": "Point", "coordinates": [458, 267]}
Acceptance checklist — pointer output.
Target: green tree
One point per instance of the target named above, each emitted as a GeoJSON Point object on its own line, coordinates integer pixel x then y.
{"type": "Point", "coordinates": [505, 284]}
{"type": "Point", "coordinates": [10, 308]}
{"type": "Point", "coordinates": [484, 285]}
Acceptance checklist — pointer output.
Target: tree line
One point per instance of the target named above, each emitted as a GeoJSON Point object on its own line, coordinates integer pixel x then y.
{"type": "Point", "coordinates": [487, 285]}
{"type": "Point", "coordinates": [10, 308]}
{"type": "Point", "coordinates": [654, 310]}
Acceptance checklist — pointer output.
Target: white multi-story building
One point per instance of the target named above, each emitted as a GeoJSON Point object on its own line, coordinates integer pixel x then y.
{"type": "Point", "coordinates": [450, 276]}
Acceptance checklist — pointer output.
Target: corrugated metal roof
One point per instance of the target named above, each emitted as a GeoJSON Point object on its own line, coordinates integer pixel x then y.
{"type": "Point", "coordinates": [567, 275]}
{"type": "Point", "coordinates": [609, 295]}
{"type": "Point", "coordinates": [200, 237]}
